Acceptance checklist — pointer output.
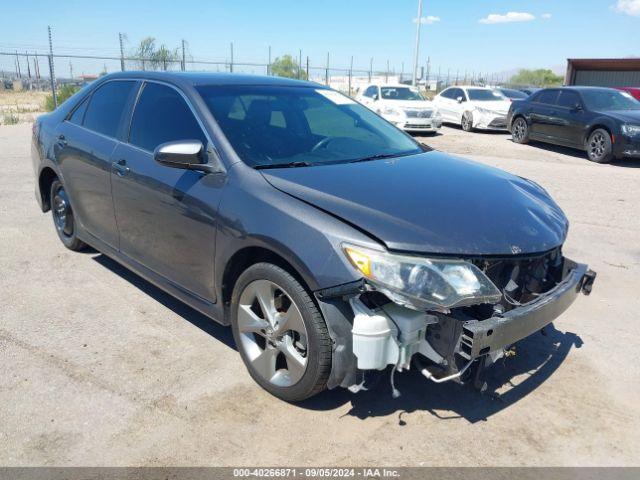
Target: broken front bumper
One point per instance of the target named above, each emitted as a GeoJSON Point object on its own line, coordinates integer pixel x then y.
{"type": "Point", "coordinates": [480, 337]}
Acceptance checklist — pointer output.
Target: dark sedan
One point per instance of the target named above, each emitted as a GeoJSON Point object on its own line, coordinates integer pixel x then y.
{"type": "Point", "coordinates": [604, 122]}
{"type": "Point", "coordinates": [332, 243]}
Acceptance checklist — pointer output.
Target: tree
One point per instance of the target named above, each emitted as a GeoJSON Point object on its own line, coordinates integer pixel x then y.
{"type": "Point", "coordinates": [145, 51]}
{"type": "Point", "coordinates": [286, 66]}
{"type": "Point", "coordinates": [536, 78]}
{"type": "Point", "coordinates": [63, 94]}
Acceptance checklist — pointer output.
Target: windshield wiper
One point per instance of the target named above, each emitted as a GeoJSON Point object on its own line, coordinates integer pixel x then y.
{"type": "Point", "coordinates": [283, 165]}
{"type": "Point", "coordinates": [380, 156]}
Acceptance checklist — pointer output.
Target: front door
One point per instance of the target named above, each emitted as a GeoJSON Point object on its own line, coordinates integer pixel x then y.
{"type": "Point", "coordinates": [167, 217]}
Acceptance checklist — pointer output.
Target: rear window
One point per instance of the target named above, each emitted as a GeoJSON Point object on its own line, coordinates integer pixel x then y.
{"type": "Point", "coordinates": [548, 97]}
{"type": "Point", "coordinates": [107, 107]}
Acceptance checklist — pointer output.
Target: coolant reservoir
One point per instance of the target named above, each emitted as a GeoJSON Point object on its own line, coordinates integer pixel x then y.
{"type": "Point", "coordinates": [372, 341]}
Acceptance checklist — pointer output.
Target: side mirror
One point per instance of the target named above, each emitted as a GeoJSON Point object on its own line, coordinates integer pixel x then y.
{"type": "Point", "coordinates": [460, 99]}
{"type": "Point", "coordinates": [577, 107]}
{"type": "Point", "coordinates": [186, 154]}
{"type": "Point", "coordinates": [375, 97]}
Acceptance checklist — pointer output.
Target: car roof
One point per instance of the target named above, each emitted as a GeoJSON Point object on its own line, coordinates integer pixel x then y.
{"type": "Point", "coordinates": [204, 78]}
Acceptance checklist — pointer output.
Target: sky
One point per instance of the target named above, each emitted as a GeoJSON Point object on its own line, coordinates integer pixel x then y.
{"type": "Point", "coordinates": [473, 35]}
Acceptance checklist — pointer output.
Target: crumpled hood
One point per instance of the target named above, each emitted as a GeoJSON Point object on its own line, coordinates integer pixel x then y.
{"type": "Point", "coordinates": [432, 203]}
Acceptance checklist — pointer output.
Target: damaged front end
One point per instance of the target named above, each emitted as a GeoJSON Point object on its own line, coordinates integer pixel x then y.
{"type": "Point", "coordinates": [443, 315]}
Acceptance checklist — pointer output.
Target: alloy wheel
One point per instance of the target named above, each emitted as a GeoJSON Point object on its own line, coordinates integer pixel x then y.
{"type": "Point", "coordinates": [272, 333]}
{"type": "Point", "coordinates": [519, 130]}
{"type": "Point", "coordinates": [466, 122]}
{"type": "Point", "coordinates": [62, 213]}
{"type": "Point", "coordinates": [597, 145]}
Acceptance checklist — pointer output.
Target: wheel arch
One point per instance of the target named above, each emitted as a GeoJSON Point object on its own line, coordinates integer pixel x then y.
{"type": "Point", "coordinates": [595, 127]}
{"type": "Point", "coordinates": [45, 179]}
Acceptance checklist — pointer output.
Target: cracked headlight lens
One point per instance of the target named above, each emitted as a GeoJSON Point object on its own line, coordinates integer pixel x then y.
{"type": "Point", "coordinates": [424, 282]}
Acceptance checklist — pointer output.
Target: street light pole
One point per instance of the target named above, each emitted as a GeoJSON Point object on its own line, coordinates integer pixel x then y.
{"type": "Point", "coordinates": [417, 48]}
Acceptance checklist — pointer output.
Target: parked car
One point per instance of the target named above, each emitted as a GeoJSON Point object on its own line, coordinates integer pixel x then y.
{"type": "Point", "coordinates": [403, 106]}
{"type": "Point", "coordinates": [634, 91]}
{"type": "Point", "coordinates": [332, 243]}
{"type": "Point", "coordinates": [512, 94]}
{"type": "Point", "coordinates": [473, 107]}
{"type": "Point", "coordinates": [602, 121]}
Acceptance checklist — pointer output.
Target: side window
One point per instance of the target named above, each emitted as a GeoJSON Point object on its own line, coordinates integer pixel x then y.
{"type": "Point", "coordinates": [371, 91]}
{"type": "Point", "coordinates": [161, 116]}
{"type": "Point", "coordinates": [78, 114]}
{"type": "Point", "coordinates": [446, 93]}
{"type": "Point", "coordinates": [568, 99]}
{"type": "Point", "coordinates": [548, 97]}
{"type": "Point", "coordinates": [458, 92]}
{"type": "Point", "coordinates": [107, 107]}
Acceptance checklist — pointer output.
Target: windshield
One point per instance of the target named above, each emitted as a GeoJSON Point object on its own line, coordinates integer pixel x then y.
{"type": "Point", "coordinates": [299, 126]}
{"type": "Point", "coordinates": [609, 100]}
{"type": "Point", "coordinates": [513, 94]}
{"type": "Point", "coordinates": [400, 93]}
{"type": "Point", "coordinates": [484, 95]}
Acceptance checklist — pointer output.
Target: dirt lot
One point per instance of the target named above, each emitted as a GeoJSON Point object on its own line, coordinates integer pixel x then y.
{"type": "Point", "coordinates": [98, 367]}
{"type": "Point", "coordinates": [20, 106]}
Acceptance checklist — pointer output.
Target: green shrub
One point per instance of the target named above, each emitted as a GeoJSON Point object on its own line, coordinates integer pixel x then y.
{"type": "Point", "coordinates": [10, 119]}
{"type": "Point", "coordinates": [64, 93]}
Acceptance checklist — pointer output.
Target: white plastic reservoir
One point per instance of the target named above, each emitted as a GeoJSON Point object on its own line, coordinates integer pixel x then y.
{"type": "Point", "coordinates": [373, 343]}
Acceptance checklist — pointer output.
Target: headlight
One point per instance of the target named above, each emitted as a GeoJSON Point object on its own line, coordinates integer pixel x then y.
{"type": "Point", "coordinates": [631, 130]}
{"type": "Point", "coordinates": [391, 111]}
{"type": "Point", "coordinates": [426, 283]}
{"type": "Point", "coordinates": [487, 111]}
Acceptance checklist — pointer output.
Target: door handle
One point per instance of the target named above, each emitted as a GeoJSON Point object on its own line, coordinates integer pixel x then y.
{"type": "Point", "coordinates": [120, 167]}
{"type": "Point", "coordinates": [62, 141]}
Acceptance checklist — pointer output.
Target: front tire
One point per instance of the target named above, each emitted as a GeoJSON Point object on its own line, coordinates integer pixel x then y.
{"type": "Point", "coordinates": [520, 131]}
{"type": "Point", "coordinates": [63, 217]}
{"type": "Point", "coordinates": [599, 146]}
{"type": "Point", "coordinates": [280, 334]}
{"type": "Point", "coordinates": [467, 122]}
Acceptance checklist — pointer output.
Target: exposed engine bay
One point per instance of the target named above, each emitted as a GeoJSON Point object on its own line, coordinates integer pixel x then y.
{"type": "Point", "coordinates": [445, 343]}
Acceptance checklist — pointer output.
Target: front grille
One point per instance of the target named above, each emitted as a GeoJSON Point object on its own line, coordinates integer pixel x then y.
{"type": "Point", "coordinates": [522, 279]}
{"type": "Point", "coordinates": [418, 113]}
{"type": "Point", "coordinates": [417, 125]}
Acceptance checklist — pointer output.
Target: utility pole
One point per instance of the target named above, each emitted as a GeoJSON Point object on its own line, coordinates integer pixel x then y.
{"type": "Point", "coordinates": [121, 52]}
{"type": "Point", "coordinates": [416, 52]}
{"type": "Point", "coordinates": [231, 64]}
{"type": "Point", "coordinates": [428, 76]}
{"type": "Point", "coordinates": [326, 72]}
{"type": "Point", "coordinates": [350, 73]}
{"type": "Point", "coordinates": [28, 68]}
{"type": "Point", "coordinates": [307, 67]}
{"type": "Point", "coordinates": [401, 71]}
{"type": "Point", "coordinates": [269, 64]}
{"type": "Point", "coordinates": [18, 65]}
{"type": "Point", "coordinates": [184, 60]}
{"type": "Point", "coordinates": [52, 73]}
{"type": "Point", "coordinates": [370, 69]}
{"type": "Point", "coordinates": [299, 63]}
{"type": "Point", "coordinates": [70, 70]}
{"type": "Point", "coordinates": [386, 74]}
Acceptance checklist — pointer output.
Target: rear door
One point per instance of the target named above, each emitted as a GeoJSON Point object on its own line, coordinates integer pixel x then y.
{"type": "Point", "coordinates": [543, 113]}
{"type": "Point", "coordinates": [166, 216]}
{"type": "Point", "coordinates": [569, 124]}
{"type": "Point", "coordinates": [86, 140]}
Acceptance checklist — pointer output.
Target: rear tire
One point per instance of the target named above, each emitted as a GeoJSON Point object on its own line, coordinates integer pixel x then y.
{"type": "Point", "coordinates": [520, 131]}
{"type": "Point", "coordinates": [280, 334]}
{"type": "Point", "coordinates": [63, 217]}
{"type": "Point", "coordinates": [467, 122]}
{"type": "Point", "coordinates": [599, 146]}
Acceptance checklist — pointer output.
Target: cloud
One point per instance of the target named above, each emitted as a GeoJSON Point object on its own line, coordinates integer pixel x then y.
{"type": "Point", "coordinates": [628, 7]}
{"type": "Point", "coordinates": [508, 17]}
{"type": "Point", "coordinates": [546, 16]}
{"type": "Point", "coordinates": [429, 20]}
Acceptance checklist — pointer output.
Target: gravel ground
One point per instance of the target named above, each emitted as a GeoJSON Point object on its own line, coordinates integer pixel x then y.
{"type": "Point", "coordinates": [98, 367]}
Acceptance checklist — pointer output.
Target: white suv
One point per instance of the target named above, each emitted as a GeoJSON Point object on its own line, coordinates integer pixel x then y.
{"type": "Point", "coordinates": [403, 106]}
{"type": "Point", "coordinates": [473, 107]}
